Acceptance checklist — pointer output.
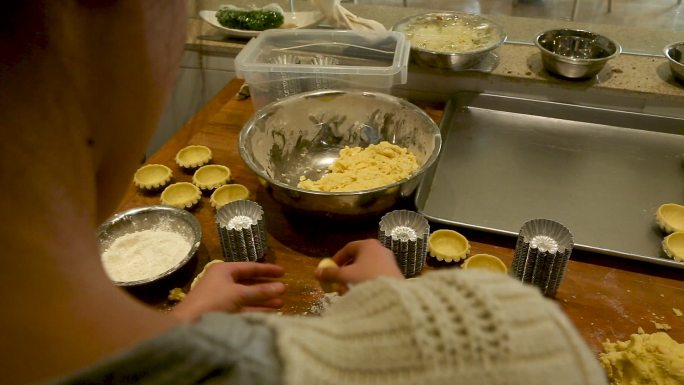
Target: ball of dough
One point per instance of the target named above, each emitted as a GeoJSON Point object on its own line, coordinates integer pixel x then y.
{"type": "Point", "coordinates": [328, 287]}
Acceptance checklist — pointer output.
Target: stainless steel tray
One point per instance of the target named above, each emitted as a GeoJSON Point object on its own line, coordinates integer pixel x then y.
{"type": "Point", "coordinates": [600, 172]}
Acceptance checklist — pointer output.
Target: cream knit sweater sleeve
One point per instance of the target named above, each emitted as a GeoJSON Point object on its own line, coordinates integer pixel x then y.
{"type": "Point", "coordinates": [448, 327]}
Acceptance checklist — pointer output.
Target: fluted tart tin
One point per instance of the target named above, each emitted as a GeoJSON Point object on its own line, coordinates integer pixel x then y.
{"type": "Point", "coordinates": [405, 232]}
{"type": "Point", "coordinates": [541, 254]}
{"type": "Point", "coordinates": [242, 231]}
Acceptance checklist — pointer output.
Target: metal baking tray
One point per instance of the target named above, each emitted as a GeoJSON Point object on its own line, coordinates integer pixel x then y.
{"type": "Point", "coordinates": [600, 172]}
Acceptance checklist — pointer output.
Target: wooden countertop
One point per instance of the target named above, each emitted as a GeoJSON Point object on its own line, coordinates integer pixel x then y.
{"type": "Point", "coordinates": [605, 297]}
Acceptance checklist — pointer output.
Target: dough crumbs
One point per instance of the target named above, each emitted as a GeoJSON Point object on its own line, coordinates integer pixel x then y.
{"type": "Point", "coordinates": [661, 326]}
{"type": "Point", "coordinates": [677, 312]}
{"type": "Point", "coordinates": [176, 294]}
{"type": "Point", "coordinates": [365, 168]}
{"type": "Point", "coordinates": [640, 330]}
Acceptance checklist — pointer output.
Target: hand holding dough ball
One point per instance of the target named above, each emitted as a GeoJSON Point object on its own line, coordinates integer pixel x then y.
{"type": "Point", "coordinates": [328, 287]}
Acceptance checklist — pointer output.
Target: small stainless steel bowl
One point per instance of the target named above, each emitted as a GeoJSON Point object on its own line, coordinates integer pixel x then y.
{"type": "Point", "coordinates": [675, 55]}
{"type": "Point", "coordinates": [151, 217]}
{"type": "Point", "coordinates": [456, 50]}
{"type": "Point", "coordinates": [575, 54]}
{"type": "Point", "coordinates": [302, 135]}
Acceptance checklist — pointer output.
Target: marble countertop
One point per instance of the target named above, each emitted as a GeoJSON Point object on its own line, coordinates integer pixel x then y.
{"type": "Point", "coordinates": [519, 62]}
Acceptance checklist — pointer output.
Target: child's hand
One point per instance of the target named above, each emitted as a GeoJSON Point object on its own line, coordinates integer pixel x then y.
{"type": "Point", "coordinates": [233, 287]}
{"type": "Point", "coordinates": [360, 261]}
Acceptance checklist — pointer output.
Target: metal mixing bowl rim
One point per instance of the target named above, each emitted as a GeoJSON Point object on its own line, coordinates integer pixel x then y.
{"type": "Point", "coordinates": [666, 52]}
{"type": "Point", "coordinates": [189, 218]}
{"type": "Point", "coordinates": [247, 158]}
{"type": "Point", "coordinates": [494, 46]}
{"type": "Point", "coordinates": [566, 59]}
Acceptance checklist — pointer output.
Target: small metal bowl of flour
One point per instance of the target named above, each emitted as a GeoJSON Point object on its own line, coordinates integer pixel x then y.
{"type": "Point", "coordinates": [144, 244]}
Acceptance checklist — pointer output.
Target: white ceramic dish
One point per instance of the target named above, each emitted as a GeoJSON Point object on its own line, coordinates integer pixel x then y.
{"type": "Point", "coordinates": [294, 20]}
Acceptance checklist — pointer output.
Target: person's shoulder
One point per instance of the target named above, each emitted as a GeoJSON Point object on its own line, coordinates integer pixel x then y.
{"type": "Point", "coordinates": [219, 348]}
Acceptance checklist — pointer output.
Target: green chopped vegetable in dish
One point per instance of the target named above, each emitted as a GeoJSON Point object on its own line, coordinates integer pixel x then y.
{"type": "Point", "coordinates": [255, 19]}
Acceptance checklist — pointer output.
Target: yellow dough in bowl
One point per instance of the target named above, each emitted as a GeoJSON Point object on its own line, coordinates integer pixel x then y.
{"type": "Point", "coordinates": [360, 169]}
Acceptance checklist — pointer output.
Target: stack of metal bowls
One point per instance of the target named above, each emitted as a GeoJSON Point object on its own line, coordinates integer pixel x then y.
{"type": "Point", "coordinates": [575, 54]}
{"type": "Point", "coordinates": [301, 135]}
{"type": "Point", "coordinates": [450, 40]}
{"type": "Point", "coordinates": [675, 55]}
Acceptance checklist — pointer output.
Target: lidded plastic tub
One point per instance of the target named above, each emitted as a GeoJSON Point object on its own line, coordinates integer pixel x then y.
{"type": "Point", "coordinates": [280, 63]}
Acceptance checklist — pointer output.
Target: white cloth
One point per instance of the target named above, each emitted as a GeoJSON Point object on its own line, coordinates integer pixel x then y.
{"type": "Point", "coordinates": [339, 17]}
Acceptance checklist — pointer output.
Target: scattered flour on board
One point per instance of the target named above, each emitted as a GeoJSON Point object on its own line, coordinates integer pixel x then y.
{"type": "Point", "coordinates": [143, 254]}
{"type": "Point", "coordinates": [323, 303]}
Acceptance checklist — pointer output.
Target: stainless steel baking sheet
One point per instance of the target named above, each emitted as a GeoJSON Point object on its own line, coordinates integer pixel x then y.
{"type": "Point", "coordinates": [600, 172]}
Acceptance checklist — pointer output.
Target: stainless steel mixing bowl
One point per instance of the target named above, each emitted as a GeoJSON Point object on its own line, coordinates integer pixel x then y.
{"type": "Point", "coordinates": [151, 217]}
{"type": "Point", "coordinates": [575, 54]}
{"type": "Point", "coordinates": [301, 135]}
{"type": "Point", "coordinates": [675, 55]}
{"type": "Point", "coordinates": [452, 56]}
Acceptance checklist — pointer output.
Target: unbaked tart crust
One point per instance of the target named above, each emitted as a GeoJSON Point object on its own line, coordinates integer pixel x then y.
{"type": "Point", "coordinates": [182, 195]}
{"type": "Point", "coordinates": [152, 176]}
{"type": "Point", "coordinates": [485, 262]}
{"type": "Point", "coordinates": [228, 193]}
{"type": "Point", "coordinates": [193, 156]}
{"type": "Point", "coordinates": [448, 245]}
{"type": "Point", "coordinates": [211, 176]}
{"type": "Point", "coordinates": [670, 217]}
{"type": "Point", "coordinates": [673, 246]}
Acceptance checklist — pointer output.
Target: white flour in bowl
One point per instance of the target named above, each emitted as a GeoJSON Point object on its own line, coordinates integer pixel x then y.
{"type": "Point", "coordinates": [144, 254]}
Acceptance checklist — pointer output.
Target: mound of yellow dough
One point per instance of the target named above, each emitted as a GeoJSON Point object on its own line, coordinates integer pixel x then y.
{"type": "Point", "coordinates": [646, 359]}
{"type": "Point", "coordinates": [365, 168]}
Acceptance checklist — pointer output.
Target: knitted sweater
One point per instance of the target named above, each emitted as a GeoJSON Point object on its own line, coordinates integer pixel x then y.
{"type": "Point", "coordinates": [448, 327]}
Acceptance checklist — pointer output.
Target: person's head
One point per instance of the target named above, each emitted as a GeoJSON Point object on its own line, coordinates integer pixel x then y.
{"type": "Point", "coordinates": [98, 72]}
{"type": "Point", "coordinates": [82, 85]}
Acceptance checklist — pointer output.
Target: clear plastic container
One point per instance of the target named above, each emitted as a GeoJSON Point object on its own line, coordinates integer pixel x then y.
{"type": "Point", "coordinates": [280, 63]}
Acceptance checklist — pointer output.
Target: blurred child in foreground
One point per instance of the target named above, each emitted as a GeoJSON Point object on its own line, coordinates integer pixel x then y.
{"type": "Point", "coordinates": [83, 83]}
